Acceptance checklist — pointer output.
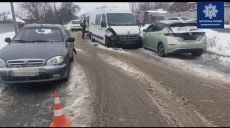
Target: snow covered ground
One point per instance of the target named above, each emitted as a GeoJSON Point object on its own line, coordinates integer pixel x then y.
{"type": "Point", "coordinates": [3, 36]}
{"type": "Point", "coordinates": [218, 43]}
{"type": "Point", "coordinates": [77, 105]}
{"type": "Point", "coordinates": [227, 26]}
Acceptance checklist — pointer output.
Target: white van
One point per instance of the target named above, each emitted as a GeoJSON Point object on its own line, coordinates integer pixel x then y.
{"type": "Point", "coordinates": [114, 27]}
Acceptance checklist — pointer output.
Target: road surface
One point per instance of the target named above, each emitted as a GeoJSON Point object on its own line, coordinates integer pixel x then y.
{"type": "Point", "coordinates": [122, 88]}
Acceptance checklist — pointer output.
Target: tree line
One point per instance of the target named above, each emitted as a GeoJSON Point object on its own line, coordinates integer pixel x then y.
{"type": "Point", "coordinates": [49, 12]}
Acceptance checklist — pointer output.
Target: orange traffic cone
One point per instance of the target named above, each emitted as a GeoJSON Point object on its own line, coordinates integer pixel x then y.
{"type": "Point", "coordinates": [59, 119]}
{"type": "Point", "coordinates": [227, 84]}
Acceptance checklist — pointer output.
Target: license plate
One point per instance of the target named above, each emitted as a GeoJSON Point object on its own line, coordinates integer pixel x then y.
{"type": "Point", "coordinates": [190, 38]}
{"type": "Point", "coordinates": [25, 72]}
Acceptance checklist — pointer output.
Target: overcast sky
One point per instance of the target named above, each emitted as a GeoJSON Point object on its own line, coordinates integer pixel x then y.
{"type": "Point", "coordinates": [85, 6]}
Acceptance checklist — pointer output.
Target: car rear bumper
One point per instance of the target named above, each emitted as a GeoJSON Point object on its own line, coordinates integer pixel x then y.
{"type": "Point", "coordinates": [44, 74]}
{"type": "Point", "coordinates": [185, 47]}
{"type": "Point", "coordinates": [186, 50]}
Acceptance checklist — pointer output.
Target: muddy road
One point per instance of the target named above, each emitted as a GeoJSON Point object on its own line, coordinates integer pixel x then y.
{"type": "Point", "coordinates": [110, 87]}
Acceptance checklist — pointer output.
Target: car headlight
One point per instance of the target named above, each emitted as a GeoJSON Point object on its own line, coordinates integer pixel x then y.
{"type": "Point", "coordinates": [55, 60]}
{"type": "Point", "coordinates": [2, 63]}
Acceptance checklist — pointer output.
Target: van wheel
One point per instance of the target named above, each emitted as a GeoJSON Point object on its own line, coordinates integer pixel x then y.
{"type": "Point", "coordinates": [91, 38]}
{"type": "Point", "coordinates": [107, 42]}
{"type": "Point", "coordinates": [161, 50]}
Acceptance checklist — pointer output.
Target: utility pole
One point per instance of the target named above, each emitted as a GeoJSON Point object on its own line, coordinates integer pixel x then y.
{"type": "Point", "coordinates": [14, 19]}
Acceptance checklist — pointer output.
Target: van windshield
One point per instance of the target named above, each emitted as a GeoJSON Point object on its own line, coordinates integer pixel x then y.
{"type": "Point", "coordinates": [121, 19]}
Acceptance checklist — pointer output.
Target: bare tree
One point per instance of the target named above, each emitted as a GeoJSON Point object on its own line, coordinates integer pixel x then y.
{"type": "Point", "coordinates": [67, 12]}
{"type": "Point", "coordinates": [3, 16]}
{"type": "Point", "coordinates": [36, 10]}
{"type": "Point", "coordinates": [143, 6]}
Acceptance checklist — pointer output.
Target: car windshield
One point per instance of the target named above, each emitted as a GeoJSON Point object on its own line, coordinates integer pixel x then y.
{"type": "Point", "coordinates": [39, 35]}
{"type": "Point", "coordinates": [121, 19]}
{"type": "Point", "coordinates": [76, 22]}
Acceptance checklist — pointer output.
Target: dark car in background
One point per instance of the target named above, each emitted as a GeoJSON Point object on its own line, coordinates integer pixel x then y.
{"type": "Point", "coordinates": [37, 53]}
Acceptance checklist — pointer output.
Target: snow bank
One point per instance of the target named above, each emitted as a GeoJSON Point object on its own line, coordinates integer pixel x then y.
{"type": "Point", "coordinates": [227, 26]}
{"type": "Point", "coordinates": [77, 105]}
{"type": "Point", "coordinates": [218, 43]}
{"type": "Point", "coordinates": [3, 36]}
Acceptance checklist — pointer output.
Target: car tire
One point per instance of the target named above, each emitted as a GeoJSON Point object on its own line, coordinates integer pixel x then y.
{"type": "Point", "coordinates": [68, 73]}
{"type": "Point", "coordinates": [72, 58]}
{"type": "Point", "coordinates": [197, 53]}
{"type": "Point", "coordinates": [91, 38]}
{"type": "Point", "coordinates": [161, 50]}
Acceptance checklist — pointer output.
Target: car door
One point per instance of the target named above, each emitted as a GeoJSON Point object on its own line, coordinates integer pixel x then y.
{"type": "Point", "coordinates": [102, 29]}
{"type": "Point", "coordinates": [152, 36]}
{"type": "Point", "coordinates": [98, 34]}
{"type": "Point", "coordinates": [146, 36]}
{"type": "Point", "coordinates": [159, 36]}
{"type": "Point", "coordinates": [70, 45]}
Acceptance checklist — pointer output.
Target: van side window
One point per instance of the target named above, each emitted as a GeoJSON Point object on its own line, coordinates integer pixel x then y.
{"type": "Point", "coordinates": [98, 19]}
{"type": "Point", "coordinates": [103, 18]}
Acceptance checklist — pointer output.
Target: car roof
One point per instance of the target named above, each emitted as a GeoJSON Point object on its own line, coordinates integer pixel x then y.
{"type": "Point", "coordinates": [44, 26]}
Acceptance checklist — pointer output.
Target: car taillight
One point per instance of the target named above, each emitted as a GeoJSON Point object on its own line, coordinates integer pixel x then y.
{"type": "Point", "coordinates": [168, 34]}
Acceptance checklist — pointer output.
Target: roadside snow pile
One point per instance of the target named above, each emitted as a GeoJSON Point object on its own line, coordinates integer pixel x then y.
{"type": "Point", "coordinates": [226, 26]}
{"type": "Point", "coordinates": [218, 43]}
{"type": "Point", "coordinates": [3, 36]}
{"type": "Point", "coordinates": [78, 103]}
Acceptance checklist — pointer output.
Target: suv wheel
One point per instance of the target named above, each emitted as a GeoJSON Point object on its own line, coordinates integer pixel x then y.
{"type": "Point", "coordinates": [161, 50]}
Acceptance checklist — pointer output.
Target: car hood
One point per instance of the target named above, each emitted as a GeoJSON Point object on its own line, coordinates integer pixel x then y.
{"type": "Point", "coordinates": [32, 50]}
{"type": "Point", "coordinates": [126, 30]}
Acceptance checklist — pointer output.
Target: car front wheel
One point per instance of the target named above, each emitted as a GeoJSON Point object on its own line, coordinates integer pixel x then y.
{"type": "Point", "coordinates": [68, 72]}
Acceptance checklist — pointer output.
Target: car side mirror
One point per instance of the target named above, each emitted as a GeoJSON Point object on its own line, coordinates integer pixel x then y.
{"type": "Point", "coordinates": [145, 30]}
{"type": "Point", "coordinates": [103, 25]}
{"type": "Point", "coordinates": [7, 40]}
{"type": "Point", "coordinates": [70, 39]}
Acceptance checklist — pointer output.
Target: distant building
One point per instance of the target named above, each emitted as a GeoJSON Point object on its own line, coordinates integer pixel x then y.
{"type": "Point", "coordinates": [7, 24]}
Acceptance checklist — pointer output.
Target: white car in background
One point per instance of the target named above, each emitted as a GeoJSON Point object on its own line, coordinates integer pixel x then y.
{"type": "Point", "coordinates": [74, 25]}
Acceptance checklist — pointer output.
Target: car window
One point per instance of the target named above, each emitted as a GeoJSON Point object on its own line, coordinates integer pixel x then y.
{"type": "Point", "coordinates": [34, 34]}
{"type": "Point", "coordinates": [153, 28]}
{"type": "Point", "coordinates": [98, 19]}
{"type": "Point", "coordinates": [103, 18]}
